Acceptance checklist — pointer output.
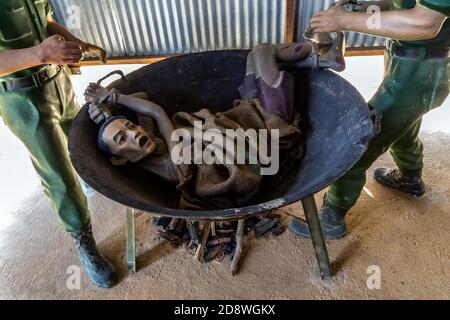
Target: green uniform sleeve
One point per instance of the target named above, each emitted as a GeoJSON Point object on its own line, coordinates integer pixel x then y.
{"type": "Point", "coordinates": [48, 8]}
{"type": "Point", "coordinates": [442, 6]}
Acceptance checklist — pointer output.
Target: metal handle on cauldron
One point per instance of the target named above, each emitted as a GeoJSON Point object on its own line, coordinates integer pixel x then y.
{"type": "Point", "coordinates": [118, 72]}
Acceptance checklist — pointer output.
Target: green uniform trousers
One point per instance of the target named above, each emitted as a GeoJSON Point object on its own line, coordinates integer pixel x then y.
{"type": "Point", "coordinates": [411, 88]}
{"type": "Point", "coordinates": [41, 118]}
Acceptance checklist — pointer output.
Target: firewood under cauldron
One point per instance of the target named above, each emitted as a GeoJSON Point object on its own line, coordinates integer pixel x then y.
{"type": "Point", "coordinates": [211, 241]}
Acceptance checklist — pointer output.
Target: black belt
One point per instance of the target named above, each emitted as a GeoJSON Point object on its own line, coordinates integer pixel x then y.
{"type": "Point", "coordinates": [415, 53]}
{"type": "Point", "coordinates": [35, 80]}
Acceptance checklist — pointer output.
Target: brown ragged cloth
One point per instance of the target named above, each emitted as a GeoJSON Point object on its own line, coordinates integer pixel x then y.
{"type": "Point", "coordinates": [206, 187]}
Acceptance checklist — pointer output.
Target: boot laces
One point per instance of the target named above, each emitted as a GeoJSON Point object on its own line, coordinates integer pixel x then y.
{"type": "Point", "coordinates": [402, 178]}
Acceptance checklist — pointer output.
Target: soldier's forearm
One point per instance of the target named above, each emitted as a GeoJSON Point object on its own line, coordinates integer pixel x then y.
{"type": "Point", "coordinates": [56, 28]}
{"type": "Point", "coordinates": [410, 24]}
{"type": "Point", "coordinates": [12, 61]}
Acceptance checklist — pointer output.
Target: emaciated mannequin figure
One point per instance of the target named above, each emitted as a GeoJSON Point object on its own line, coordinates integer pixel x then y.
{"type": "Point", "coordinates": [267, 103]}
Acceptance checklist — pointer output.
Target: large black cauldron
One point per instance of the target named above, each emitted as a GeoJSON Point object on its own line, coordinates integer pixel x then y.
{"type": "Point", "coordinates": [335, 115]}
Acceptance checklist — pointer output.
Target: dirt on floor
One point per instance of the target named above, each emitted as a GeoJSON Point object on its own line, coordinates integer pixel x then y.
{"type": "Point", "coordinates": [407, 239]}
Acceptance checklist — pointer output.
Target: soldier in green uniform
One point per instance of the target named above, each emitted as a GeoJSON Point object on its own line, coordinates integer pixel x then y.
{"type": "Point", "coordinates": [416, 81]}
{"type": "Point", "coordinates": [38, 105]}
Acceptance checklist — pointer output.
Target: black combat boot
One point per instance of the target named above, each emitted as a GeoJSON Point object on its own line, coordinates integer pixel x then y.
{"type": "Point", "coordinates": [407, 181]}
{"type": "Point", "coordinates": [99, 270]}
{"type": "Point", "coordinates": [331, 219]}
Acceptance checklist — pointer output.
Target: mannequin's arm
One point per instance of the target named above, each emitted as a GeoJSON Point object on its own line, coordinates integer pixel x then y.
{"type": "Point", "coordinates": [150, 109]}
{"type": "Point", "coordinates": [137, 102]}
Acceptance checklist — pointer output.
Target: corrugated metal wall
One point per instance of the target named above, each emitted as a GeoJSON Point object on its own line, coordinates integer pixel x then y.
{"type": "Point", "coordinates": [158, 27]}
{"type": "Point", "coordinates": [144, 27]}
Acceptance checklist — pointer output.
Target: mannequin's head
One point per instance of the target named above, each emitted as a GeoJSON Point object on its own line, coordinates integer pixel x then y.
{"type": "Point", "coordinates": [124, 141]}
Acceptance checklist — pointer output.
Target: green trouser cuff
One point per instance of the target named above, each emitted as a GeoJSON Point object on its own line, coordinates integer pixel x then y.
{"type": "Point", "coordinates": [334, 201]}
{"type": "Point", "coordinates": [344, 194]}
{"type": "Point", "coordinates": [407, 151]}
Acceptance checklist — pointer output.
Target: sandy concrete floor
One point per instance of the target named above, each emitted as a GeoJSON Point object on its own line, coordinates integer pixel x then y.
{"type": "Point", "coordinates": [408, 239]}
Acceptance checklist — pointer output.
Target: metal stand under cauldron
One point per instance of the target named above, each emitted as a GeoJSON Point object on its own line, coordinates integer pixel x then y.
{"type": "Point", "coordinates": [336, 120]}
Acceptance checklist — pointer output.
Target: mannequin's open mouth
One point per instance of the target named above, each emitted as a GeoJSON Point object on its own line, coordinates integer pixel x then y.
{"type": "Point", "coordinates": [144, 141]}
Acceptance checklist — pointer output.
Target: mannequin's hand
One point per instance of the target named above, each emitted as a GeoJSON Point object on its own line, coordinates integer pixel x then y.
{"type": "Point", "coordinates": [101, 102]}
{"type": "Point", "coordinates": [95, 93]}
{"type": "Point", "coordinates": [99, 112]}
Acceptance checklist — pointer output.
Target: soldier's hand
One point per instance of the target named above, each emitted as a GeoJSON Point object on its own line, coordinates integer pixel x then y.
{"type": "Point", "coordinates": [331, 20]}
{"type": "Point", "coordinates": [91, 50]}
{"type": "Point", "coordinates": [56, 50]}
